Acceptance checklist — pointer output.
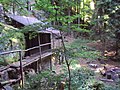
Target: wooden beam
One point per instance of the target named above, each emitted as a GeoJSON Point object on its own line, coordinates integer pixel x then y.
{"type": "Point", "coordinates": [45, 44]}
{"type": "Point", "coordinates": [8, 52]}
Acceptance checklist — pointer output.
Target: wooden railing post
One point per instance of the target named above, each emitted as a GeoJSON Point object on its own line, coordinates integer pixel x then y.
{"type": "Point", "coordinates": [21, 69]}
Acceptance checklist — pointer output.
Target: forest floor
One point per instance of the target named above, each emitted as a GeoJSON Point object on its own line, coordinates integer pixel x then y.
{"type": "Point", "coordinates": [99, 47]}
{"type": "Point", "coordinates": [108, 61]}
{"type": "Point", "coordinates": [95, 65]}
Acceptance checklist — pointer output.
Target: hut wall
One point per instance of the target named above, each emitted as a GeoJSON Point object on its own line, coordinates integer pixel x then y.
{"type": "Point", "coordinates": [45, 38]}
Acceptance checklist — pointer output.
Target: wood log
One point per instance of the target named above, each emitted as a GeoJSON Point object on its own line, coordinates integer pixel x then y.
{"type": "Point", "coordinates": [3, 83]}
{"type": "Point", "coordinates": [107, 80]}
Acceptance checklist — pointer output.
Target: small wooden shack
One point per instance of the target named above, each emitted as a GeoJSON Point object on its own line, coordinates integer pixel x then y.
{"type": "Point", "coordinates": [38, 49]}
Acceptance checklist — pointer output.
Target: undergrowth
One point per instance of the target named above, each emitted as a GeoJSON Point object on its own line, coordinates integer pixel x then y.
{"type": "Point", "coordinates": [46, 80]}
{"type": "Point", "coordinates": [83, 78]}
{"type": "Point", "coordinates": [79, 49]}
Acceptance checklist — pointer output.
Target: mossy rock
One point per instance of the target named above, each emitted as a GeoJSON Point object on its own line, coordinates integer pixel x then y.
{"type": "Point", "coordinates": [3, 62]}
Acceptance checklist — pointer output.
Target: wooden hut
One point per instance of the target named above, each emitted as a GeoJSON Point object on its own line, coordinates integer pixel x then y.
{"type": "Point", "coordinates": [38, 49]}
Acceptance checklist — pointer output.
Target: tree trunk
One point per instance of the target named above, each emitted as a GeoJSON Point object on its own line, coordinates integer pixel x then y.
{"type": "Point", "coordinates": [67, 63]}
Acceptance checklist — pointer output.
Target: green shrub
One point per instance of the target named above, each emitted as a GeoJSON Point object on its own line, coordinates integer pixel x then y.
{"type": "Point", "coordinates": [79, 49]}
{"type": "Point", "coordinates": [46, 80]}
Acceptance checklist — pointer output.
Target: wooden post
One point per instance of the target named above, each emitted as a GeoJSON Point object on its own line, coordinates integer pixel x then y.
{"type": "Point", "coordinates": [40, 54]}
{"type": "Point", "coordinates": [52, 40]}
{"type": "Point", "coordinates": [50, 63]}
{"type": "Point", "coordinates": [21, 68]}
{"type": "Point", "coordinates": [51, 37]}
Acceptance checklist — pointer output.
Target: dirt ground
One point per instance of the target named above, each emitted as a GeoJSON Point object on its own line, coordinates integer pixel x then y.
{"type": "Point", "coordinates": [99, 64]}
{"type": "Point", "coordinates": [111, 52]}
{"type": "Point", "coordinates": [95, 65]}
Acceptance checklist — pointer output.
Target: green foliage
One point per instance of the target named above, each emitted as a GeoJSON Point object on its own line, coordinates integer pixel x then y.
{"type": "Point", "coordinates": [3, 62]}
{"type": "Point", "coordinates": [111, 87]}
{"type": "Point", "coordinates": [7, 59]}
{"type": "Point", "coordinates": [83, 78]}
{"type": "Point", "coordinates": [10, 39]}
{"type": "Point", "coordinates": [82, 30]}
{"type": "Point", "coordinates": [79, 49]}
{"type": "Point", "coordinates": [58, 12]}
{"type": "Point", "coordinates": [80, 78]}
{"type": "Point", "coordinates": [46, 80]}
{"type": "Point", "coordinates": [10, 35]}
{"type": "Point", "coordinates": [106, 18]}
{"type": "Point", "coordinates": [18, 5]}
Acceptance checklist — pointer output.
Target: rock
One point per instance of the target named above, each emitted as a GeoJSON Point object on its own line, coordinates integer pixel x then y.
{"type": "Point", "coordinates": [93, 65]}
{"type": "Point", "coordinates": [31, 72]}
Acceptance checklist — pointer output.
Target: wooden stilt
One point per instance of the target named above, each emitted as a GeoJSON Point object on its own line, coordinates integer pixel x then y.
{"type": "Point", "coordinates": [40, 65]}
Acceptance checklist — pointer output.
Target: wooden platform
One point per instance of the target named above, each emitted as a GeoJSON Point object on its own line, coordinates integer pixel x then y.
{"type": "Point", "coordinates": [27, 61]}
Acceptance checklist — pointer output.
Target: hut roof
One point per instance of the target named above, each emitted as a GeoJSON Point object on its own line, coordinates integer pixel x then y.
{"type": "Point", "coordinates": [31, 20]}
{"type": "Point", "coordinates": [24, 19]}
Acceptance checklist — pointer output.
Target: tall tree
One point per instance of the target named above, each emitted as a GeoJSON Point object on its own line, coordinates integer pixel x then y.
{"type": "Point", "coordinates": [106, 19]}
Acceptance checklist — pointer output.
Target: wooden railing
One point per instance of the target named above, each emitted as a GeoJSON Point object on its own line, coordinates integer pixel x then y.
{"type": "Point", "coordinates": [21, 56]}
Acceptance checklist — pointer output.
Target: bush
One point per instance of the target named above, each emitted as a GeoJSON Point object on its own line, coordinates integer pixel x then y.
{"type": "Point", "coordinates": [46, 80]}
